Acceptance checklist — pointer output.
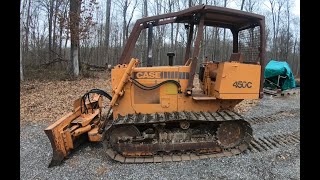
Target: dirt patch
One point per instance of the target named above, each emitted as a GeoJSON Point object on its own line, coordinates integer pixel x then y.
{"type": "Point", "coordinates": [47, 100]}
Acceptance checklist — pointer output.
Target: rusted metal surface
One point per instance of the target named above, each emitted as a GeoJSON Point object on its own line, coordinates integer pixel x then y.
{"type": "Point", "coordinates": [66, 133]}
{"type": "Point", "coordinates": [195, 55]}
{"type": "Point", "coordinates": [172, 135]}
{"type": "Point", "coordinates": [214, 16]}
{"type": "Point", "coordinates": [57, 154]}
{"type": "Point", "coordinates": [230, 134]}
{"type": "Point", "coordinates": [146, 149]}
{"type": "Point", "coordinates": [190, 35]}
{"type": "Point", "coordinates": [262, 52]}
{"type": "Point", "coordinates": [157, 118]}
{"type": "Point", "coordinates": [256, 146]}
{"type": "Point", "coordinates": [124, 131]}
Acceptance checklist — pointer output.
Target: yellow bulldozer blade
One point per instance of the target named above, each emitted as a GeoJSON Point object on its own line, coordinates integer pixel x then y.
{"type": "Point", "coordinates": [69, 131]}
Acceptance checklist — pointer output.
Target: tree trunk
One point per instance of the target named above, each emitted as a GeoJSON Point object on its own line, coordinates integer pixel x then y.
{"type": "Point", "coordinates": [280, 3]}
{"type": "Point", "coordinates": [60, 40]}
{"type": "Point", "coordinates": [75, 6]}
{"type": "Point", "coordinates": [65, 15]}
{"type": "Point", "coordinates": [288, 31]}
{"type": "Point", "coordinates": [124, 28]}
{"type": "Point", "coordinates": [107, 30]}
{"type": "Point", "coordinates": [242, 3]}
{"type": "Point", "coordinates": [274, 44]}
{"type": "Point", "coordinates": [180, 60]}
{"type": "Point", "coordinates": [27, 32]}
{"type": "Point", "coordinates": [130, 18]}
{"type": "Point", "coordinates": [54, 37]}
{"type": "Point", "coordinates": [65, 48]}
{"type": "Point", "coordinates": [145, 14]}
{"type": "Point", "coordinates": [50, 28]}
{"type": "Point", "coordinates": [21, 46]}
{"type": "Point", "coordinates": [224, 38]}
{"type": "Point", "coordinates": [170, 10]}
{"type": "Point", "coordinates": [294, 55]}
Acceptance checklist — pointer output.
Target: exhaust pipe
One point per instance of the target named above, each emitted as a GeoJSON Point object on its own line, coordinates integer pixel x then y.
{"type": "Point", "coordinates": [170, 55]}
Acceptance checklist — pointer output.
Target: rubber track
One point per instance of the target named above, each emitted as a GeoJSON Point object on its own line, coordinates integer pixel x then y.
{"type": "Point", "coordinates": [222, 116]}
{"type": "Point", "coordinates": [256, 145]}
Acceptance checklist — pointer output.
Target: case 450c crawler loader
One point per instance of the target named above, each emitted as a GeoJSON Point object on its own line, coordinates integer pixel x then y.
{"type": "Point", "coordinates": [155, 113]}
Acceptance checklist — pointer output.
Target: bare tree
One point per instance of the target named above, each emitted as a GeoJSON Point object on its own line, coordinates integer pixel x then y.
{"type": "Point", "coordinates": [107, 30]}
{"type": "Point", "coordinates": [224, 37]}
{"type": "Point", "coordinates": [75, 6]}
{"type": "Point", "coordinates": [242, 3]}
{"type": "Point", "coordinates": [276, 6]}
{"type": "Point", "coordinates": [170, 10]}
{"type": "Point", "coordinates": [288, 30]}
{"type": "Point", "coordinates": [144, 33]}
{"type": "Point", "coordinates": [21, 36]}
{"type": "Point", "coordinates": [45, 28]}
{"type": "Point", "coordinates": [54, 24]}
{"type": "Point", "coordinates": [190, 3]}
{"type": "Point", "coordinates": [50, 17]}
{"type": "Point", "coordinates": [27, 30]}
{"type": "Point", "coordinates": [63, 25]}
{"type": "Point", "coordinates": [124, 6]}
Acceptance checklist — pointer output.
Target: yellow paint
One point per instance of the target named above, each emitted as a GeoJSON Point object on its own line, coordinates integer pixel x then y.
{"type": "Point", "coordinates": [237, 81]}
{"type": "Point", "coordinates": [170, 88]}
{"type": "Point", "coordinates": [169, 99]}
{"type": "Point", "coordinates": [94, 136]}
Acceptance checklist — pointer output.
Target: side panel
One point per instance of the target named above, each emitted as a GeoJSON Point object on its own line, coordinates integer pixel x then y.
{"type": "Point", "coordinates": [137, 100]}
{"type": "Point", "coordinates": [237, 81]}
{"type": "Point", "coordinates": [158, 100]}
{"type": "Point", "coordinates": [163, 99]}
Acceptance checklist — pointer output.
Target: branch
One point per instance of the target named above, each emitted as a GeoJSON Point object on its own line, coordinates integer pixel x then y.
{"type": "Point", "coordinates": [54, 61]}
{"type": "Point", "coordinates": [92, 67]}
{"type": "Point", "coordinates": [134, 7]}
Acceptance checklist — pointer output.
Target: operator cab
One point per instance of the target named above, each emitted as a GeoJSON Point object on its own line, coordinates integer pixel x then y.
{"type": "Point", "coordinates": [244, 43]}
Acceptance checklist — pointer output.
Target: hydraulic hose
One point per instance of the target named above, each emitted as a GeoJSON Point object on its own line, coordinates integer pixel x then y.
{"type": "Point", "coordinates": [87, 96]}
{"type": "Point", "coordinates": [141, 86]}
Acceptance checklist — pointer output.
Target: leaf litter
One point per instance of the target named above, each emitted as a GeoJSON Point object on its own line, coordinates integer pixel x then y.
{"type": "Point", "coordinates": [48, 100]}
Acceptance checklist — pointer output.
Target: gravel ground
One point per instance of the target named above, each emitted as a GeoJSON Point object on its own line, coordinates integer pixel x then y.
{"type": "Point", "coordinates": [90, 162]}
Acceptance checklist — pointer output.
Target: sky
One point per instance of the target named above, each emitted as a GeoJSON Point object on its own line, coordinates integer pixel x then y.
{"type": "Point", "coordinates": [296, 8]}
{"type": "Point", "coordinates": [231, 4]}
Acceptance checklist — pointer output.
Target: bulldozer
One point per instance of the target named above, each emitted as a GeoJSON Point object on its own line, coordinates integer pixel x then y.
{"type": "Point", "coordinates": [156, 113]}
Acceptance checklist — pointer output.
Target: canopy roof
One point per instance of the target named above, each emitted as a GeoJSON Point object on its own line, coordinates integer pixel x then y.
{"type": "Point", "coordinates": [213, 16]}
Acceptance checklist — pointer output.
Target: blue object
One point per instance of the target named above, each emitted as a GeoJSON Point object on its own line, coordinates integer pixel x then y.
{"type": "Point", "coordinates": [279, 68]}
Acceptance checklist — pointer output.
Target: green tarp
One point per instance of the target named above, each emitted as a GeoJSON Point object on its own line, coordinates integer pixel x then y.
{"type": "Point", "coordinates": [276, 68]}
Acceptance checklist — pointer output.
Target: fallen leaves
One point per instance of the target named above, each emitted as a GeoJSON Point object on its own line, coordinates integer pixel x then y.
{"type": "Point", "coordinates": [50, 99]}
